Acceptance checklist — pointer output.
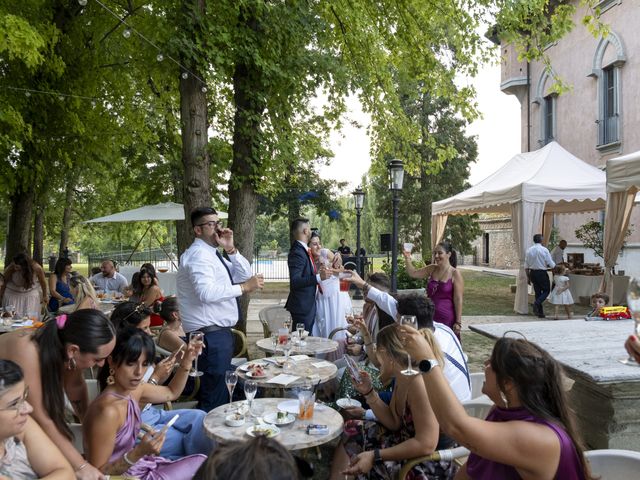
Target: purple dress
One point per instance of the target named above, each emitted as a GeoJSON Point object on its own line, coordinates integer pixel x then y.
{"type": "Point", "coordinates": [149, 467]}
{"type": "Point", "coordinates": [569, 467]}
{"type": "Point", "coordinates": [441, 294]}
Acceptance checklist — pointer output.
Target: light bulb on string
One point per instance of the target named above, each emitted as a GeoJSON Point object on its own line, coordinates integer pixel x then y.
{"type": "Point", "coordinates": [185, 75]}
{"type": "Point", "coordinates": [160, 57]}
{"type": "Point", "coordinates": [126, 33]}
{"type": "Point", "coordinates": [61, 98]}
{"type": "Point", "coordinates": [27, 94]}
{"type": "Point", "coordinates": [204, 89]}
{"type": "Point", "coordinates": [93, 103]}
{"type": "Point", "coordinates": [82, 3]}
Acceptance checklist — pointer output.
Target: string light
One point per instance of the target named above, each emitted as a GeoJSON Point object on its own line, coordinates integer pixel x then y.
{"type": "Point", "coordinates": [185, 75]}
{"type": "Point", "coordinates": [159, 57]}
{"type": "Point", "coordinates": [60, 95]}
{"type": "Point", "coordinates": [83, 3]}
{"type": "Point", "coordinates": [126, 33]}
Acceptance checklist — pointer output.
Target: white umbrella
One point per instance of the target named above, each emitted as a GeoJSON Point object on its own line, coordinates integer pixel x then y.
{"type": "Point", "coordinates": [161, 211]}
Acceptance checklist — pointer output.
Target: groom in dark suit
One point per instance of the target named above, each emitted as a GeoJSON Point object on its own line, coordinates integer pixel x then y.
{"type": "Point", "coordinates": [303, 277]}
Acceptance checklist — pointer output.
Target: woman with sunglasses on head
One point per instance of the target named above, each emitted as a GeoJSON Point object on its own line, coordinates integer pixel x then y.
{"type": "Point", "coordinates": [529, 434]}
{"type": "Point", "coordinates": [172, 336]}
{"type": "Point", "coordinates": [113, 420]}
{"type": "Point", "coordinates": [26, 452]}
{"type": "Point", "coordinates": [147, 291]}
{"type": "Point", "coordinates": [187, 435]}
{"type": "Point", "coordinates": [53, 358]}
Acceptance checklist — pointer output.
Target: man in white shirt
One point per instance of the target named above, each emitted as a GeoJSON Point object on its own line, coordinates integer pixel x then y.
{"type": "Point", "coordinates": [537, 261]}
{"type": "Point", "coordinates": [109, 279]}
{"type": "Point", "coordinates": [557, 254]}
{"type": "Point", "coordinates": [208, 286]}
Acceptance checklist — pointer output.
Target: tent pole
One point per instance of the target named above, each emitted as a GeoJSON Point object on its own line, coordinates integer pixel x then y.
{"type": "Point", "coordinates": [153, 234]}
{"type": "Point", "coordinates": [138, 244]}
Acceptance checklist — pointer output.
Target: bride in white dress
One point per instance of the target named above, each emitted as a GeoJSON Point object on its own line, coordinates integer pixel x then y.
{"type": "Point", "coordinates": [332, 305]}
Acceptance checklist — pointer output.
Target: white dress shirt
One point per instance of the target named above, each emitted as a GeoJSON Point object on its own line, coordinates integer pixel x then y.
{"type": "Point", "coordinates": [538, 258]}
{"type": "Point", "coordinates": [206, 295]}
{"type": "Point", "coordinates": [456, 375]}
{"type": "Point", "coordinates": [557, 255]}
{"type": "Point", "coordinates": [117, 283]}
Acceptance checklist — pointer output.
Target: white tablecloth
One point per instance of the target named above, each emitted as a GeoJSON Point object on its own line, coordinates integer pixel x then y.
{"type": "Point", "coordinates": [587, 285]}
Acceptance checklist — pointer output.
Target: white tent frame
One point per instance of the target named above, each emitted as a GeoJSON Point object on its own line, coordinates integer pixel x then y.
{"type": "Point", "coordinates": [527, 199]}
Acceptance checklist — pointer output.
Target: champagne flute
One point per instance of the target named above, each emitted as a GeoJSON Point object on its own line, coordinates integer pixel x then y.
{"type": "Point", "coordinates": [286, 348]}
{"type": "Point", "coordinates": [633, 303]}
{"type": "Point", "coordinates": [230, 378]}
{"type": "Point", "coordinates": [250, 389]}
{"type": "Point", "coordinates": [300, 329]}
{"type": "Point", "coordinates": [348, 313]}
{"type": "Point", "coordinates": [411, 321]}
{"type": "Point", "coordinates": [197, 340]}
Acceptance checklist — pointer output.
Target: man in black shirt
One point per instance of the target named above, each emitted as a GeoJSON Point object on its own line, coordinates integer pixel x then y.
{"type": "Point", "coordinates": [344, 249]}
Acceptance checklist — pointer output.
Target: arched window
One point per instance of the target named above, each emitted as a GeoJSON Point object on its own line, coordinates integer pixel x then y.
{"type": "Point", "coordinates": [548, 108]}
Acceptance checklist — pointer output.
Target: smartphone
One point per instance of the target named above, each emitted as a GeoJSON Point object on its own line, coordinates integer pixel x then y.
{"type": "Point", "coordinates": [353, 368]}
{"type": "Point", "coordinates": [175, 354]}
{"type": "Point", "coordinates": [170, 423]}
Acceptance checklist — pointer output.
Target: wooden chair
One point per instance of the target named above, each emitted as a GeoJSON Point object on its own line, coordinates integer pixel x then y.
{"type": "Point", "coordinates": [613, 464]}
{"type": "Point", "coordinates": [272, 318]}
{"type": "Point", "coordinates": [476, 408]}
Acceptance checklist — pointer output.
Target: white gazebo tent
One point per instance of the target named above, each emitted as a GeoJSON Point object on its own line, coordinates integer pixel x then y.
{"type": "Point", "coordinates": [530, 185]}
{"type": "Point", "coordinates": [623, 183]}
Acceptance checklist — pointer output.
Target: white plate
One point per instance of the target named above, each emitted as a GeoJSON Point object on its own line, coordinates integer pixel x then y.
{"type": "Point", "coordinates": [273, 419]}
{"type": "Point", "coordinates": [348, 402]}
{"type": "Point", "coordinates": [252, 375]}
{"type": "Point", "coordinates": [264, 429]}
{"type": "Point", "coordinates": [245, 366]}
{"type": "Point", "coordinates": [290, 406]}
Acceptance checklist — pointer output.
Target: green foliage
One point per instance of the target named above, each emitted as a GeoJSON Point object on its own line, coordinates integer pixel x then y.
{"type": "Point", "coordinates": [404, 280]}
{"type": "Point", "coordinates": [591, 234]}
{"type": "Point", "coordinates": [554, 238]}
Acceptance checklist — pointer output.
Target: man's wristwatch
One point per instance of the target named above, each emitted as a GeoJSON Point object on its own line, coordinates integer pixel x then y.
{"type": "Point", "coordinates": [425, 366]}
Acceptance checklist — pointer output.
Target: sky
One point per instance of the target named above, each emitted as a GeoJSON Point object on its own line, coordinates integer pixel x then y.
{"type": "Point", "coordinates": [498, 133]}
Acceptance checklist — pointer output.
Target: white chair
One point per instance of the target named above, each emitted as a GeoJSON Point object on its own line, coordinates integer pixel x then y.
{"type": "Point", "coordinates": [478, 407]}
{"type": "Point", "coordinates": [477, 379]}
{"type": "Point", "coordinates": [614, 464]}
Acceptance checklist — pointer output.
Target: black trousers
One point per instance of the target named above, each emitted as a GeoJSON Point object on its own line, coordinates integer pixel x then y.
{"type": "Point", "coordinates": [541, 287]}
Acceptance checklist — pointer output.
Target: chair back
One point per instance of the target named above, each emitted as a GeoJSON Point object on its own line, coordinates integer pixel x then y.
{"type": "Point", "coordinates": [614, 464]}
{"type": "Point", "coordinates": [477, 379]}
{"type": "Point", "coordinates": [272, 318]}
{"type": "Point", "coordinates": [478, 408]}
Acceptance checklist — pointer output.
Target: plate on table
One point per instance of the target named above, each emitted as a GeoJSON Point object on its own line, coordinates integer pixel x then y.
{"type": "Point", "coordinates": [286, 419]}
{"type": "Point", "coordinates": [245, 367]}
{"type": "Point", "coordinates": [263, 429]}
{"type": "Point", "coordinates": [256, 375]}
{"type": "Point", "coordinates": [348, 402]}
{"type": "Point", "coordinates": [290, 406]}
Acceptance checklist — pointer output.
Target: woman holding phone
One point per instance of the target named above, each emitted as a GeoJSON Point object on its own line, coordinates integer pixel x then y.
{"type": "Point", "coordinates": [113, 423]}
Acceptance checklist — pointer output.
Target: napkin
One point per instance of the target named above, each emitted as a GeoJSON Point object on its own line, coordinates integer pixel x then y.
{"type": "Point", "coordinates": [284, 379]}
{"type": "Point", "coordinates": [322, 364]}
{"type": "Point", "coordinates": [297, 358]}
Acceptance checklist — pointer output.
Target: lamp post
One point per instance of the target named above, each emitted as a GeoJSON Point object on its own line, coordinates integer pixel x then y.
{"type": "Point", "coordinates": [358, 195]}
{"type": "Point", "coordinates": [396, 176]}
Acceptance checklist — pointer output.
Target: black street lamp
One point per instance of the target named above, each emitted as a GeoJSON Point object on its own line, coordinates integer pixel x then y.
{"type": "Point", "coordinates": [396, 176]}
{"type": "Point", "coordinates": [358, 195]}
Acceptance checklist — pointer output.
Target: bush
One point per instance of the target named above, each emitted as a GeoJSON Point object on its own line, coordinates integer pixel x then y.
{"type": "Point", "coordinates": [404, 280]}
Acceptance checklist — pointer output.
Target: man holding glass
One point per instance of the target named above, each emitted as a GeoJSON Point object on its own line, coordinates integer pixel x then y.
{"type": "Point", "coordinates": [208, 286]}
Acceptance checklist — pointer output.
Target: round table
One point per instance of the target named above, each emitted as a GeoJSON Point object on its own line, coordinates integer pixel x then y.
{"type": "Point", "coordinates": [309, 370]}
{"type": "Point", "coordinates": [292, 437]}
{"type": "Point", "coordinates": [312, 346]}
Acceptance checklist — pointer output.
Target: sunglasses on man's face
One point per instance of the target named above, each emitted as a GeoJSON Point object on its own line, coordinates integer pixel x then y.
{"type": "Point", "coordinates": [211, 224]}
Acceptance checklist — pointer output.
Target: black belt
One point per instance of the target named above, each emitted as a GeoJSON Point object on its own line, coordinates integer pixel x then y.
{"type": "Point", "coordinates": [538, 269]}
{"type": "Point", "coordinates": [212, 328]}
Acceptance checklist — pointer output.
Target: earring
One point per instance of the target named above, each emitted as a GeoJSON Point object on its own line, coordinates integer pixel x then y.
{"type": "Point", "coordinates": [110, 379]}
{"type": "Point", "coordinates": [72, 364]}
{"type": "Point", "coordinates": [504, 399]}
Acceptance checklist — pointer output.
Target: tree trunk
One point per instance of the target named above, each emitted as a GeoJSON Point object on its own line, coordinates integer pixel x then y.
{"type": "Point", "coordinates": [19, 222]}
{"type": "Point", "coordinates": [196, 188]}
{"type": "Point", "coordinates": [243, 201]}
{"type": "Point", "coordinates": [66, 216]}
{"type": "Point", "coordinates": [38, 235]}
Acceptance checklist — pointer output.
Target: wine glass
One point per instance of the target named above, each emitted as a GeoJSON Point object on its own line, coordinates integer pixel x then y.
{"type": "Point", "coordinates": [410, 321]}
{"type": "Point", "coordinates": [348, 313]}
{"type": "Point", "coordinates": [250, 389]}
{"type": "Point", "coordinates": [286, 348]}
{"type": "Point", "coordinates": [633, 303]}
{"type": "Point", "coordinates": [197, 340]}
{"type": "Point", "coordinates": [11, 309]}
{"type": "Point", "coordinates": [300, 329]}
{"type": "Point", "coordinates": [287, 322]}
{"type": "Point", "coordinates": [231, 378]}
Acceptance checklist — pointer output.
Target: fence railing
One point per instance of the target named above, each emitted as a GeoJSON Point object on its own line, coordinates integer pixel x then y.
{"type": "Point", "coordinates": [157, 257]}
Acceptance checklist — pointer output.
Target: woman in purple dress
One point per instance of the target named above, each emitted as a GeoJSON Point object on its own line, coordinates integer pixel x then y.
{"type": "Point", "coordinates": [530, 433]}
{"type": "Point", "coordinates": [113, 423]}
{"type": "Point", "coordinates": [445, 285]}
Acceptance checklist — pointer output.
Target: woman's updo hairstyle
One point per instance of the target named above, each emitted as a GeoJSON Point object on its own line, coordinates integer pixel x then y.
{"type": "Point", "coordinates": [447, 246]}
{"type": "Point", "coordinates": [129, 314]}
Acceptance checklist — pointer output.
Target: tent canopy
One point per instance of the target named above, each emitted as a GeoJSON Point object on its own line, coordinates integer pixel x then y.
{"type": "Point", "coordinates": [161, 211]}
{"type": "Point", "coordinates": [551, 175]}
{"type": "Point", "coordinates": [623, 173]}
{"type": "Point", "coordinates": [530, 185]}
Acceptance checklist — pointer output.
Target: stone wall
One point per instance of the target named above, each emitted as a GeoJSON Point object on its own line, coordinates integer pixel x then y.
{"type": "Point", "coordinates": [502, 252]}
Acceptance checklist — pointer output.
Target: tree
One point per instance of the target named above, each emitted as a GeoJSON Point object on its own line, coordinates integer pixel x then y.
{"type": "Point", "coordinates": [591, 235]}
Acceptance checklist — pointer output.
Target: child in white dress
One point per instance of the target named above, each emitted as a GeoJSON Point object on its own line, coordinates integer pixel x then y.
{"type": "Point", "coordinates": [561, 295]}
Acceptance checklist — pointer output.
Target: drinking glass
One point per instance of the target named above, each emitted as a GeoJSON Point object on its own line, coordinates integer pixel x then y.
{"type": "Point", "coordinates": [287, 323]}
{"type": "Point", "coordinates": [633, 303]}
{"type": "Point", "coordinates": [11, 309]}
{"type": "Point", "coordinates": [230, 378]}
{"type": "Point", "coordinates": [411, 321]}
{"type": "Point", "coordinates": [306, 401]}
{"type": "Point", "coordinates": [250, 389]}
{"type": "Point", "coordinates": [274, 341]}
{"type": "Point", "coordinates": [357, 313]}
{"type": "Point", "coordinates": [348, 313]}
{"type": "Point", "coordinates": [197, 340]}
{"type": "Point", "coordinates": [286, 348]}
{"type": "Point", "coordinates": [300, 329]}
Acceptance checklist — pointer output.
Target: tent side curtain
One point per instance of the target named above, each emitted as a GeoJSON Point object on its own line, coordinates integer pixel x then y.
{"type": "Point", "coordinates": [526, 220]}
{"type": "Point", "coordinates": [617, 215]}
{"type": "Point", "coordinates": [438, 223]}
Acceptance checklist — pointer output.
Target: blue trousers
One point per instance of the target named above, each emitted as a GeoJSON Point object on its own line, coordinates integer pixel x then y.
{"type": "Point", "coordinates": [214, 362]}
{"type": "Point", "coordinates": [186, 437]}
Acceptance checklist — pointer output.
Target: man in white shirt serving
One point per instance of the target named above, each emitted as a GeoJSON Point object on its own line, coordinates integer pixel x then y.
{"type": "Point", "coordinates": [208, 286]}
{"type": "Point", "coordinates": [537, 261]}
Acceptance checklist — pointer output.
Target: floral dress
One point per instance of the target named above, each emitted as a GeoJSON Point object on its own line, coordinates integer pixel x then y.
{"type": "Point", "coordinates": [360, 436]}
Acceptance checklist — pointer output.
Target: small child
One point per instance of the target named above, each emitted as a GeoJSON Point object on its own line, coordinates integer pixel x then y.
{"type": "Point", "coordinates": [598, 300]}
{"type": "Point", "coordinates": [560, 294]}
